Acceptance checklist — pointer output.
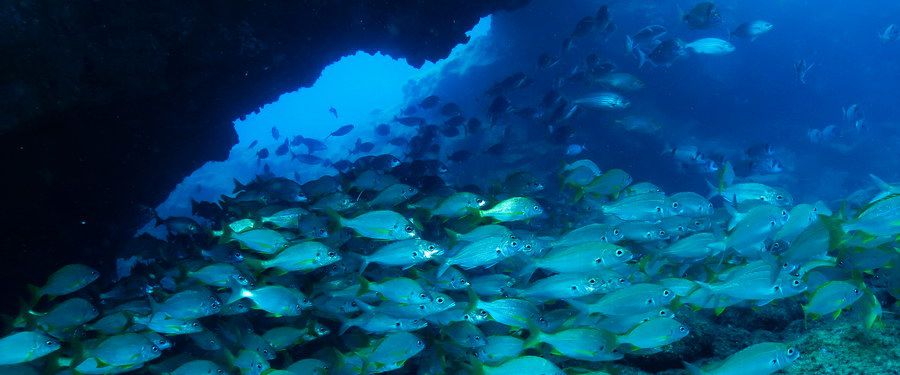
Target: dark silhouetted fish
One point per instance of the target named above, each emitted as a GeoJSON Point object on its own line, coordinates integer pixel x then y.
{"type": "Point", "coordinates": [313, 145]}
{"type": "Point", "coordinates": [496, 149]}
{"type": "Point", "coordinates": [546, 60]}
{"type": "Point", "coordinates": [473, 126]}
{"type": "Point", "coordinates": [449, 130]}
{"type": "Point", "coordinates": [664, 54]}
{"type": "Point", "coordinates": [398, 141]}
{"type": "Point", "coordinates": [253, 144]}
{"type": "Point", "coordinates": [297, 140]}
{"type": "Point", "coordinates": [702, 16]}
{"type": "Point", "coordinates": [341, 131]}
{"type": "Point", "coordinates": [333, 111]}
{"type": "Point", "coordinates": [362, 147]}
{"type": "Point", "coordinates": [283, 149]}
{"type": "Point", "coordinates": [512, 82]}
{"type": "Point", "coordinates": [499, 106]}
{"type": "Point", "coordinates": [451, 109]}
{"type": "Point", "coordinates": [307, 159]}
{"type": "Point", "coordinates": [410, 121]}
{"type": "Point", "coordinates": [342, 165]}
{"type": "Point", "coordinates": [383, 130]}
{"type": "Point", "coordinates": [430, 101]}
{"type": "Point", "coordinates": [275, 133]}
{"type": "Point", "coordinates": [262, 154]}
{"type": "Point", "coordinates": [583, 27]}
{"type": "Point", "coordinates": [460, 156]}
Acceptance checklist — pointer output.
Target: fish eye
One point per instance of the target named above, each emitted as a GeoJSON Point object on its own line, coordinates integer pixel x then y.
{"type": "Point", "coordinates": [662, 313]}
{"type": "Point", "coordinates": [682, 329]}
{"type": "Point", "coordinates": [331, 254]}
{"type": "Point", "coordinates": [306, 300]}
{"type": "Point", "coordinates": [241, 278]}
{"type": "Point", "coordinates": [619, 252]}
{"type": "Point", "coordinates": [354, 304]}
{"type": "Point", "coordinates": [440, 300]}
{"type": "Point", "coordinates": [779, 197]}
{"type": "Point", "coordinates": [479, 201]}
{"type": "Point", "coordinates": [421, 307]}
{"type": "Point", "coordinates": [528, 247]}
{"type": "Point", "coordinates": [616, 231]}
{"type": "Point", "coordinates": [49, 343]}
{"type": "Point", "coordinates": [397, 324]}
{"type": "Point", "coordinates": [658, 209]}
{"type": "Point", "coordinates": [603, 238]}
{"type": "Point", "coordinates": [430, 247]}
{"type": "Point", "coordinates": [536, 207]}
{"type": "Point", "coordinates": [154, 348]}
{"type": "Point", "coordinates": [419, 343]}
{"type": "Point", "coordinates": [422, 295]}
{"type": "Point", "coordinates": [482, 312]}
{"type": "Point", "coordinates": [666, 293]}
{"type": "Point", "coordinates": [662, 233]}
{"type": "Point", "coordinates": [649, 301]}
{"type": "Point", "coordinates": [674, 204]}
{"type": "Point", "coordinates": [796, 283]}
{"type": "Point", "coordinates": [514, 244]}
{"type": "Point", "coordinates": [477, 338]}
{"type": "Point", "coordinates": [408, 229]}
{"type": "Point", "coordinates": [621, 279]}
{"type": "Point", "coordinates": [574, 288]}
{"type": "Point", "coordinates": [592, 281]}
{"type": "Point", "coordinates": [195, 324]}
{"type": "Point", "coordinates": [790, 350]}
{"type": "Point", "coordinates": [598, 260]}
{"type": "Point", "coordinates": [772, 223]}
{"type": "Point", "coordinates": [415, 254]}
{"type": "Point", "coordinates": [855, 291]}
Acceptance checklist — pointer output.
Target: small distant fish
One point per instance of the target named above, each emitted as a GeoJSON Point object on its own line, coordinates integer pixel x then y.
{"type": "Point", "coordinates": [583, 27]}
{"type": "Point", "coordinates": [854, 116]}
{"type": "Point", "coordinates": [473, 126]}
{"type": "Point", "coordinates": [275, 133]}
{"type": "Point", "coordinates": [704, 15]}
{"type": "Point", "coordinates": [343, 130]}
{"type": "Point", "coordinates": [710, 46]}
{"type": "Point", "coordinates": [890, 34]}
{"type": "Point", "coordinates": [546, 61]}
{"type": "Point", "coordinates": [460, 156]}
{"type": "Point", "coordinates": [333, 111]}
{"type": "Point", "coordinates": [383, 130]}
{"type": "Point", "coordinates": [566, 45]}
{"type": "Point", "coordinates": [313, 145]}
{"type": "Point", "coordinates": [604, 101]}
{"type": "Point", "coordinates": [575, 149]}
{"type": "Point", "coordinates": [512, 82]}
{"type": "Point", "coordinates": [410, 121]}
{"type": "Point", "coordinates": [620, 81]}
{"type": "Point", "coordinates": [398, 141]}
{"type": "Point", "coordinates": [307, 159]}
{"type": "Point", "coordinates": [362, 147]}
{"type": "Point", "coordinates": [801, 68]}
{"type": "Point", "coordinates": [665, 53]}
{"type": "Point", "coordinates": [752, 30]}
{"type": "Point", "coordinates": [253, 144]}
{"type": "Point", "coordinates": [262, 154]}
{"type": "Point", "coordinates": [451, 109]}
{"type": "Point", "coordinates": [499, 106]}
{"type": "Point", "coordinates": [496, 149]}
{"type": "Point", "coordinates": [430, 101]}
{"type": "Point", "coordinates": [283, 149]}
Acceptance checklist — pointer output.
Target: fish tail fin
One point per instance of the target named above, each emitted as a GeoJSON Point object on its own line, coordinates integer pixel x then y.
{"type": "Point", "coordinates": [692, 368]}
{"type": "Point", "coordinates": [35, 293]}
{"type": "Point", "coordinates": [336, 220]}
{"type": "Point", "coordinates": [443, 268]}
{"type": "Point", "coordinates": [534, 336]}
{"type": "Point", "coordinates": [257, 265]}
{"type": "Point", "coordinates": [642, 58]}
{"type": "Point", "coordinates": [364, 264]}
{"type": "Point", "coordinates": [346, 325]}
{"type": "Point", "coordinates": [364, 285]}
{"type": "Point", "coordinates": [238, 186]}
{"type": "Point", "coordinates": [237, 291]}
{"type": "Point", "coordinates": [454, 235]}
{"type": "Point", "coordinates": [884, 186]}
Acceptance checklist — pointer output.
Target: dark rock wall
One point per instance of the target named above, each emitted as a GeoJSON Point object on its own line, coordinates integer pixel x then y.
{"type": "Point", "coordinates": [106, 105]}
